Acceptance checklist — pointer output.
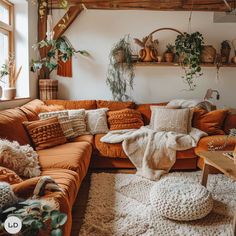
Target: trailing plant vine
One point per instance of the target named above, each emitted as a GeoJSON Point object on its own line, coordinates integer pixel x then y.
{"type": "Point", "coordinates": [120, 75]}
{"type": "Point", "coordinates": [188, 49]}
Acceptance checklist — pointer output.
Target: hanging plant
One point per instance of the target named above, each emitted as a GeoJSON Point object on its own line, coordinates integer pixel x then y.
{"type": "Point", "coordinates": [59, 50]}
{"type": "Point", "coordinates": [188, 49]}
{"type": "Point", "coordinates": [120, 73]}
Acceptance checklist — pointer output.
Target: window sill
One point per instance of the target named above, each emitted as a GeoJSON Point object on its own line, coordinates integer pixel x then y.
{"type": "Point", "coordinates": [15, 99]}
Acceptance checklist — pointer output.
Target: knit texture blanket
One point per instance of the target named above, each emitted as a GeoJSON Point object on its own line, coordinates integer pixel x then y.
{"type": "Point", "coordinates": [153, 153]}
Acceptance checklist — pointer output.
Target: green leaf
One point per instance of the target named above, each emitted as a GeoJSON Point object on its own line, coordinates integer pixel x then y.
{"type": "Point", "coordinates": [56, 232]}
{"type": "Point", "coordinates": [62, 218]}
{"type": "Point", "coordinates": [8, 210]}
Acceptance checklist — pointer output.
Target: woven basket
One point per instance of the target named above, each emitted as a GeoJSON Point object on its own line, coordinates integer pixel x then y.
{"type": "Point", "coordinates": [48, 89]}
{"type": "Point", "coordinates": [208, 54]}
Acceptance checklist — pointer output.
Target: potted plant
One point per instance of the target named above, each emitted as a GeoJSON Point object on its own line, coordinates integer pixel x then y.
{"type": "Point", "coordinates": [120, 73]}
{"type": "Point", "coordinates": [8, 70]}
{"type": "Point", "coordinates": [58, 50]}
{"type": "Point", "coordinates": [188, 49]}
{"type": "Point", "coordinates": [169, 54]}
{"type": "Point", "coordinates": [39, 217]}
{"type": "Point", "coordinates": [225, 51]}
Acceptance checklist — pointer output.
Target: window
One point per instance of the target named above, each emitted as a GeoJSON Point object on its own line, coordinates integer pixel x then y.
{"type": "Point", "coordinates": [6, 30]}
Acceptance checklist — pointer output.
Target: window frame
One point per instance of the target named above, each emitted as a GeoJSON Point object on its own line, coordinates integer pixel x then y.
{"type": "Point", "coordinates": [8, 28]}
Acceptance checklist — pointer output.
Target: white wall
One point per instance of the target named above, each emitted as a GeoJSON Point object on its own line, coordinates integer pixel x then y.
{"type": "Point", "coordinates": [97, 30]}
{"type": "Point", "coordinates": [25, 37]}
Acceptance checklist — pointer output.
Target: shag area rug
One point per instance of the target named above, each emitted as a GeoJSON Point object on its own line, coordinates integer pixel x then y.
{"type": "Point", "coordinates": [119, 205]}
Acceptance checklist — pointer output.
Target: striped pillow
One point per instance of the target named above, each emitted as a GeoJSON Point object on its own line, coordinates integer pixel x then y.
{"type": "Point", "coordinates": [77, 118]}
{"type": "Point", "coordinates": [63, 118]}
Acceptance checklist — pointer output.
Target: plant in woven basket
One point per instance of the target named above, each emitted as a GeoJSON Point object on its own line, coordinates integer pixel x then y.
{"type": "Point", "coordinates": [120, 73]}
{"type": "Point", "coordinates": [59, 49]}
{"type": "Point", "coordinates": [38, 218]}
{"type": "Point", "coordinates": [169, 54]}
{"type": "Point", "coordinates": [188, 49]}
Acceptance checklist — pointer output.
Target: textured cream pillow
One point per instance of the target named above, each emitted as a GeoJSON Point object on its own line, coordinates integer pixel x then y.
{"type": "Point", "coordinates": [166, 119]}
{"type": "Point", "coordinates": [77, 118]}
{"type": "Point", "coordinates": [96, 121]}
{"type": "Point", "coordinates": [64, 121]}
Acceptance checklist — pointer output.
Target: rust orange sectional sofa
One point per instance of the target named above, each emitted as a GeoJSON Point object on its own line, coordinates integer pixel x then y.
{"type": "Point", "coordinates": [68, 164]}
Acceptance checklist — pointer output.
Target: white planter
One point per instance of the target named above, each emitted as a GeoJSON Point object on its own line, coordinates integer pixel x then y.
{"type": "Point", "coordinates": [8, 93]}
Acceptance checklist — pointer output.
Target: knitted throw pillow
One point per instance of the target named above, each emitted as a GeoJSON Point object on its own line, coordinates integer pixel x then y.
{"type": "Point", "coordinates": [21, 159]}
{"type": "Point", "coordinates": [125, 119]}
{"type": "Point", "coordinates": [96, 121]}
{"type": "Point", "coordinates": [9, 176]}
{"type": "Point", "coordinates": [7, 197]}
{"type": "Point", "coordinates": [77, 117]}
{"type": "Point", "coordinates": [166, 119]}
{"type": "Point", "coordinates": [63, 118]}
{"type": "Point", "coordinates": [45, 133]}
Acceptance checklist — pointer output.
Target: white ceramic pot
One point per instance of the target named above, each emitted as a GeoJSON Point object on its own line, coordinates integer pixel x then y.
{"type": "Point", "coordinates": [8, 93]}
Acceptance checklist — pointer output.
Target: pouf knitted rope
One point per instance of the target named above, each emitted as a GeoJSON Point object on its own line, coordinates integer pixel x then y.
{"type": "Point", "coordinates": [181, 200]}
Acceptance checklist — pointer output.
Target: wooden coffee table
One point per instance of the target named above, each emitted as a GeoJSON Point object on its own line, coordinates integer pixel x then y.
{"type": "Point", "coordinates": [215, 160]}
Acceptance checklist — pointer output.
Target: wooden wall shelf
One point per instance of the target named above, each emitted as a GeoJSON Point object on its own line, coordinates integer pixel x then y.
{"type": "Point", "coordinates": [163, 64]}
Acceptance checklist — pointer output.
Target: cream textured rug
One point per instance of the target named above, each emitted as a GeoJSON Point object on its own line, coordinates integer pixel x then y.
{"type": "Point", "coordinates": [119, 205]}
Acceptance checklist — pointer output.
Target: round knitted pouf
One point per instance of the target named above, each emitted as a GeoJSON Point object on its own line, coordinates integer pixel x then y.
{"type": "Point", "coordinates": [181, 200]}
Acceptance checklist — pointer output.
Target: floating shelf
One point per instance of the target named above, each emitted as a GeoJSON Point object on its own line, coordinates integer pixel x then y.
{"type": "Point", "coordinates": [163, 64]}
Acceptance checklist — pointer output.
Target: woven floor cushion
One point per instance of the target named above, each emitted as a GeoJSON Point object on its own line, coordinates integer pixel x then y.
{"type": "Point", "coordinates": [180, 199]}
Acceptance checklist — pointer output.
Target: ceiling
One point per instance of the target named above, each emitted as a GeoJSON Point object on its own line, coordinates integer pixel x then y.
{"type": "Point", "coordinates": [200, 5]}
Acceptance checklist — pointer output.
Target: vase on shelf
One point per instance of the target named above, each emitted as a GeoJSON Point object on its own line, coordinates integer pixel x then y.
{"type": "Point", "coordinates": [147, 55]}
{"type": "Point", "coordinates": [8, 93]}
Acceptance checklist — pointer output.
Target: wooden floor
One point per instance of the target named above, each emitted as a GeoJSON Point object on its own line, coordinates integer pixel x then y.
{"type": "Point", "coordinates": [82, 199]}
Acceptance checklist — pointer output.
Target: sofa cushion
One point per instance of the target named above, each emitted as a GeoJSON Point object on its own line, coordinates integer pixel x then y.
{"type": "Point", "coordinates": [125, 119]}
{"type": "Point", "coordinates": [230, 121]}
{"type": "Point", "coordinates": [114, 105]}
{"type": "Point", "coordinates": [111, 150]}
{"type": "Point", "coordinates": [85, 138]}
{"type": "Point", "coordinates": [145, 110]}
{"type": "Point", "coordinates": [217, 142]}
{"type": "Point", "coordinates": [11, 126]}
{"type": "Point", "coordinates": [115, 150]}
{"type": "Point", "coordinates": [209, 122]}
{"type": "Point", "coordinates": [32, 109]}
{"type": "Point", "coordinates": [74, 104]}
{"type": "Point", "coordinates": [45, 133]}
{"type": "Point", "coordinates": [73, 156]}
{"type": "Point", "coordinates": [68, 180]}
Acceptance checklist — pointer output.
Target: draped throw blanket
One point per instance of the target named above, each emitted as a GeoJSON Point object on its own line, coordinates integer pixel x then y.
{"type": "Point", "coordinates": [153, 153]}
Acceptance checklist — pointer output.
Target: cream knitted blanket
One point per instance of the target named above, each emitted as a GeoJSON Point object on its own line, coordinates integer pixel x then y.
{"type": "Point", "coordinates": [153, 153]}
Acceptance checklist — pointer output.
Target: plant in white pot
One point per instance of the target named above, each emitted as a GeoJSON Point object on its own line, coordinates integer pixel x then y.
{"type": "Point", "coordinates": [8, 70]}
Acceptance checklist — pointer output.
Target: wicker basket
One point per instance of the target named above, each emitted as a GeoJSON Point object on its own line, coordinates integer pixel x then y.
{"type": "Point", "coordinates": [208, 54]}
{"type": "Point", "coordinates": [48, 89]}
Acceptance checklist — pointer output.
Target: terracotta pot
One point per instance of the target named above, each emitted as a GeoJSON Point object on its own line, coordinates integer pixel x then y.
{"type": "Point", "coordinates": [8, 93]}
{"type": "Point", "coordinates": [169, 57]}
{"type": "Point", "coordinates": [225, 53]}
{"type": "Point", "coordinates": [208, 54]}
{"type": "Point", "coordinates": [119, 56]}
{"type": "Point", "coordinates": [233, 60]}
{"type": "Point", "coordinates": [147, 55]}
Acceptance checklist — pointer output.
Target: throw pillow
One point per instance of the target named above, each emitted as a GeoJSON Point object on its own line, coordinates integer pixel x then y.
{"type": "Point", "coordinates": [167, 119]}
{"type": "Point", "coordinates": [97, 121]}
{"type": "Point", "coordinates": [7, 196]}
{"type": "Point", "coordinates": [9, 176]}
{"type": "Point", "coordinates": [209, 122]}
{"type": "Point", "coordinates": [77, 118]}
{"type": "Point", "coordinates": [21, 159]}
{"type": "Point", "coordinates": [114, 105]}
{"type": "Point", "coordinates": [63, 118]}
{"type": "Point", "coordinates": [125, 119]}
{"type": "Point", "coordinates": [45, 133]}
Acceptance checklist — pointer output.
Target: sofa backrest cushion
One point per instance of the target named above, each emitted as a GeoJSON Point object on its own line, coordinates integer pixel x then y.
{"type": "Point", "coordinates": [32, 109]}
{"type": "Point", "coordinates": [114, 105]}
{"type": "Point", "coordinates": [74, 104]}
{"type": "Point", "coordinates": [11, 126]}
{"type": "Point", "coordinates": [230, 121]}
{"type": "Point", "coordinates": [145, 110]}
{"type": "Point", "coordinates": [209, 122]}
